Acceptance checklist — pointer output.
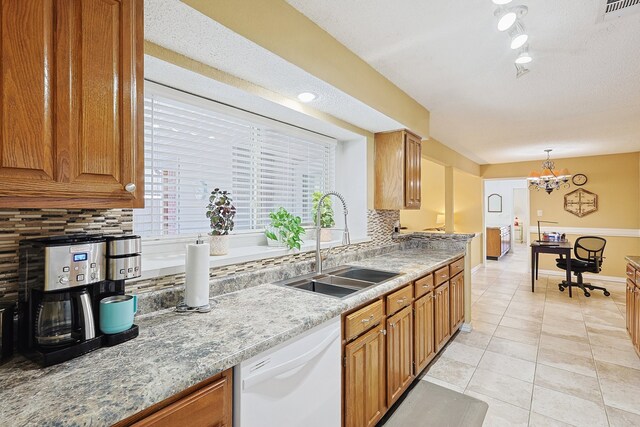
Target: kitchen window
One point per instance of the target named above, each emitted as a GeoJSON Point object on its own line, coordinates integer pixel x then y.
{"type": "Point", "coordinates": [193, 145]}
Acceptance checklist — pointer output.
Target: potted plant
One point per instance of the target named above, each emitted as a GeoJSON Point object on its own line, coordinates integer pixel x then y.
{"type": "Point", "coordinates": [220, 212]}
{"type": "Point", "coordinates": [326, 215]}
{"type": "Point", "coordinates": [284, 230]}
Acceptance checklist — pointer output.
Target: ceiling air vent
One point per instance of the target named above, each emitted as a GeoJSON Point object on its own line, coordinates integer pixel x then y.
{"type": "Point", "coordinates": [613, 9]}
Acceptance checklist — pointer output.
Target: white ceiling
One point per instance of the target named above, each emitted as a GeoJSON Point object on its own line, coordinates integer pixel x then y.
{"type": "Point", "coordinates": [178, 27]}
{"type": "Point", "coordinates": [581, 97]}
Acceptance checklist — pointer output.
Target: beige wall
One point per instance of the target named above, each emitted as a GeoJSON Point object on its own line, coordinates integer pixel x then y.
{"type": "Point", "coordinates": [614, 178]}
{"type": "Point", "coordinates": [432, 193]}
{"type": "Point", "coordinates": [467, 208]}
{"type": "Point", "coordinates": [434, 150]}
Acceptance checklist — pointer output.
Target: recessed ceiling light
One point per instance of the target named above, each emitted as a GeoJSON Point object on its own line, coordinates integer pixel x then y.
{"type": "Point", "coordinates": [306, 96]}
{"type": "Point", "coordinates": [501, 2]}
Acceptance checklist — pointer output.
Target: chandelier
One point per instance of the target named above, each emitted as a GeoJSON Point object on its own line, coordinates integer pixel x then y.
{"type": "Point", "coordinates": [550, 178]}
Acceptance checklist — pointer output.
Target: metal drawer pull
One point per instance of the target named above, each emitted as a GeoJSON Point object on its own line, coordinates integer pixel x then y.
{"type": "Point", "coordinates": [425, 286]}
{"type": "Point", "coordinates": [402, 301]}
{"type": "Point", "coordinates": [130, 187]}
{"type": "Point", "coordinates": [443, 276]}
{"type": "Point", "coordinates": [368, 320]}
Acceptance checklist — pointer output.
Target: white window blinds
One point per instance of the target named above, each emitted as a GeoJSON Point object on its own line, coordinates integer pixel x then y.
{"type": "Point", "coordinates": [193, 145]}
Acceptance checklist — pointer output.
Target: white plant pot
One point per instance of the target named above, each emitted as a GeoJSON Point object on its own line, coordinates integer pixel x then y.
{"type": "Point", "coordinates": [325, 235]}
{"type": "Point", "coordinates": [219, 245]}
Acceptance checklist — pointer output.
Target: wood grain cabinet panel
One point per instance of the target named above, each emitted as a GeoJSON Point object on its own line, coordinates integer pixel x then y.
{"type": "Point", "coordinates": [397, 170]}
{"type": "Point", "coordinates": [399, 299]}
{"type": "Point", "coordinates": [441, 318]}
{"type": "Point", "coordinates": [365, 384]}
{"type": "Point", "coordinates": [208, 404]}
{"type": "Point", "coordinates": [456, 302]}
{"type": "Point", "coordinates": [424, 337]}
{"type": "Point", "coordinates": [636, 319]}
{"type": "Point", "coordinates": [72, 116]}
{"type": "Point", "coordinates": [423, 285]}
{"type": "Point", "coordinates": [399, 354]}
{"type": "Point", "coordinates": [363, 319]}
{"type": "Point", "coordinates": [630, 309]}
{"type": "Point", "coordinates": [26, 85]}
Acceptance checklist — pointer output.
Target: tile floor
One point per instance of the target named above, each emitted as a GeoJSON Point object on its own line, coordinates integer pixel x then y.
{"type": "Point", "coordinates": [542, 359]}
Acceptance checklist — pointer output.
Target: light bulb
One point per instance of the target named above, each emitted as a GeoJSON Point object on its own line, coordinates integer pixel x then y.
{"type": "Point", "coordinates": [306, 96]}
{"type": "Point", "coordinates": [524, 58]}
{"type": "Point", "coordinates": [519, 41]}
{"type": "Point", "coordinates": [506, 21]}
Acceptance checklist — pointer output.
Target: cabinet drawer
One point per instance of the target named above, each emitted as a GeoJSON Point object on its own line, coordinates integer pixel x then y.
{"type": "Point", "coordinates": [456, 267]}
{"type": "Point", "coordinates": [631, 273]}
{"type": "Point", "coordinates": [424, 285]}
{"type": "Point", "coordinates": [442, 275]}
{"type": "Point", "coordinates": [636, 280]}
{"type": "Point", "coordinates": [399, 299]}
{"type": "Point", "coordinates": [363, 319]}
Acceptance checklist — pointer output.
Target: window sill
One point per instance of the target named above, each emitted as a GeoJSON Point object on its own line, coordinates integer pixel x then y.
{"type": "Point", "coordinates": [158, 265]}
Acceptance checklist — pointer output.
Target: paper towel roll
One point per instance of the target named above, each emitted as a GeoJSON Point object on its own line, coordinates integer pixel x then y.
{"type": "Point", "coordinates": [196, 289]}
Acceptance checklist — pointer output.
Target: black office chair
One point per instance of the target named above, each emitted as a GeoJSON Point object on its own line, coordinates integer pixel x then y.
{"type": "Point", "coordinates": [588, 251]}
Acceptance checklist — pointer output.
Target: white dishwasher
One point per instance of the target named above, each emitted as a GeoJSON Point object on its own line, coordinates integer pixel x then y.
{"type": "Point", "coordinates": [295, 384]}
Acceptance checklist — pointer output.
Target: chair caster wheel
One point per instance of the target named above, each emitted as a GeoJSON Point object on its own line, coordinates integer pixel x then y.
{"type": "Point", "coordinates": [561, 287]}
{"type": "Point", "coordinates": [587, 294]}
{"type": "Point", "coordinates": [607, 293]}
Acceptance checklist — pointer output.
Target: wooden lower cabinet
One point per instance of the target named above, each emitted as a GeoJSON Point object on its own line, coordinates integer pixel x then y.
{"type": "Point", "coordinates": [456, 302]}
{"type": "Point", "coordinates": [636, 319]}
{"type": "Point", "coordinates": [630, 310]}
{"type": "Point", "coordinates": [441, 319]}
{"type": "Point", "coordinates": [208, 404]}
{"type": "Point", "coordinates": [424, 339]}
{"type": "Point", "coordinates": [365, 384]}
{"type": "Point", "coordinates": [399, 354]}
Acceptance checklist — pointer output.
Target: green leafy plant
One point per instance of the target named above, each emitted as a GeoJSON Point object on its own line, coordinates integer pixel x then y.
{"type": "Point", "coordinates": [326, 210]}
{"type": "Point", "coordinates": [285, 228]}
{"type": "Point", "coordinates": [221, 212]}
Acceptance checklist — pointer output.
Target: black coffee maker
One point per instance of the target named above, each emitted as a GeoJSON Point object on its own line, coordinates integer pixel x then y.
{"type": "Point", "coordinates": [62, 280]}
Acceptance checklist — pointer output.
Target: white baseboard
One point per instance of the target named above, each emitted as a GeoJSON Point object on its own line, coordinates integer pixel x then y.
{"type": "Point", "coordinates": [476, 268]}
{"type": "Point", "coordinates": [466, 327]}
{"type": "Point", "coordinates": [586, 276]}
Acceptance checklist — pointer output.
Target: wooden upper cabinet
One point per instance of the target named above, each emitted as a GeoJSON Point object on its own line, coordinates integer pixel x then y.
{"type": "Point", "coordinates": [71, 103]}
{"type": "Point", "coordinates": [397, 170]}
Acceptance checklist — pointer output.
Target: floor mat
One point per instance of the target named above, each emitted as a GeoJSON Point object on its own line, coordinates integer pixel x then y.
{"type": "Point", "coordinates": [428, 404]}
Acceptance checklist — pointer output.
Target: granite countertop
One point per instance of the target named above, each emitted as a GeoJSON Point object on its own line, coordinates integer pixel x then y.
{"type": "Point", "coordinates": [633, 259]}
{"type": "Point", "coordinates": [175, 351]}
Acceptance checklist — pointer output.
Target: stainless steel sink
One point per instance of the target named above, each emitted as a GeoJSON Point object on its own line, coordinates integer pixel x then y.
{"type": "Point", "coordinates": [366, 274]}
{"type": "Point", "coordinates": [340, 282]}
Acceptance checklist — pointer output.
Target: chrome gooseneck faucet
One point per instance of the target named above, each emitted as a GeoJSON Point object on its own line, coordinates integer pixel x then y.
{"type": "Point", "coordinates": [345, 233]}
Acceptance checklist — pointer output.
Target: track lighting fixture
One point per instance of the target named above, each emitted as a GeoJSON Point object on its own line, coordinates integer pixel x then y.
{"type": "Point", "coordinates": [518, 36]}
{"type": "Point", "coordinates": [523, 56]}
{"type": "Point", "coordinates": [507, 16]}
{"type": "Point", "coordinates": [509, 20]}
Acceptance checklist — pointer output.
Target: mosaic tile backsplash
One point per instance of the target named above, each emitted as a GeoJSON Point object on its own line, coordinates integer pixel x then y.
{"type": "Point", "coordinates": [16, 225]}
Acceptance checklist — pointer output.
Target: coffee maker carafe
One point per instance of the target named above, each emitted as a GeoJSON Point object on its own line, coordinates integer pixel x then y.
{"type": "Point", "coordinates": [64, 318]}
{"type": "Point", "coordinates": [58, 277]}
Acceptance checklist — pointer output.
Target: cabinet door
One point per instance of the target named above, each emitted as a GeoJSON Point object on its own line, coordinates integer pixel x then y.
{"type": "Point", "coordinates": [71, 104]}
{"type": "Point", "coordinates": [364, 388]}
{"type": "Point", "coordinates": [399, 353]}
{"type": "Point", "coordinates": [210, 406]}
{"type": "Point", "coordinates": [100, 85]}
{"type": "Point", "coordinates": [636, 318]}
{"type": "Point", "coordinates": [424, 332]}
{"type": "Point", "coordinates": [27, 147]}
{"type": "Point", "coordinates": [630, 309]}
{"type": "Point", "coordinates": [456, 302]}
{"type": "Point", "coordinates": [442, 322]}
{"type": "Point", "coordinates": [412, 168]}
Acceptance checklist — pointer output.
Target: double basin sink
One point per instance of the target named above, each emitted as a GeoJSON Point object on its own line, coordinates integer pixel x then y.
{"type": "Point", "coordinates": [339, 282]}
